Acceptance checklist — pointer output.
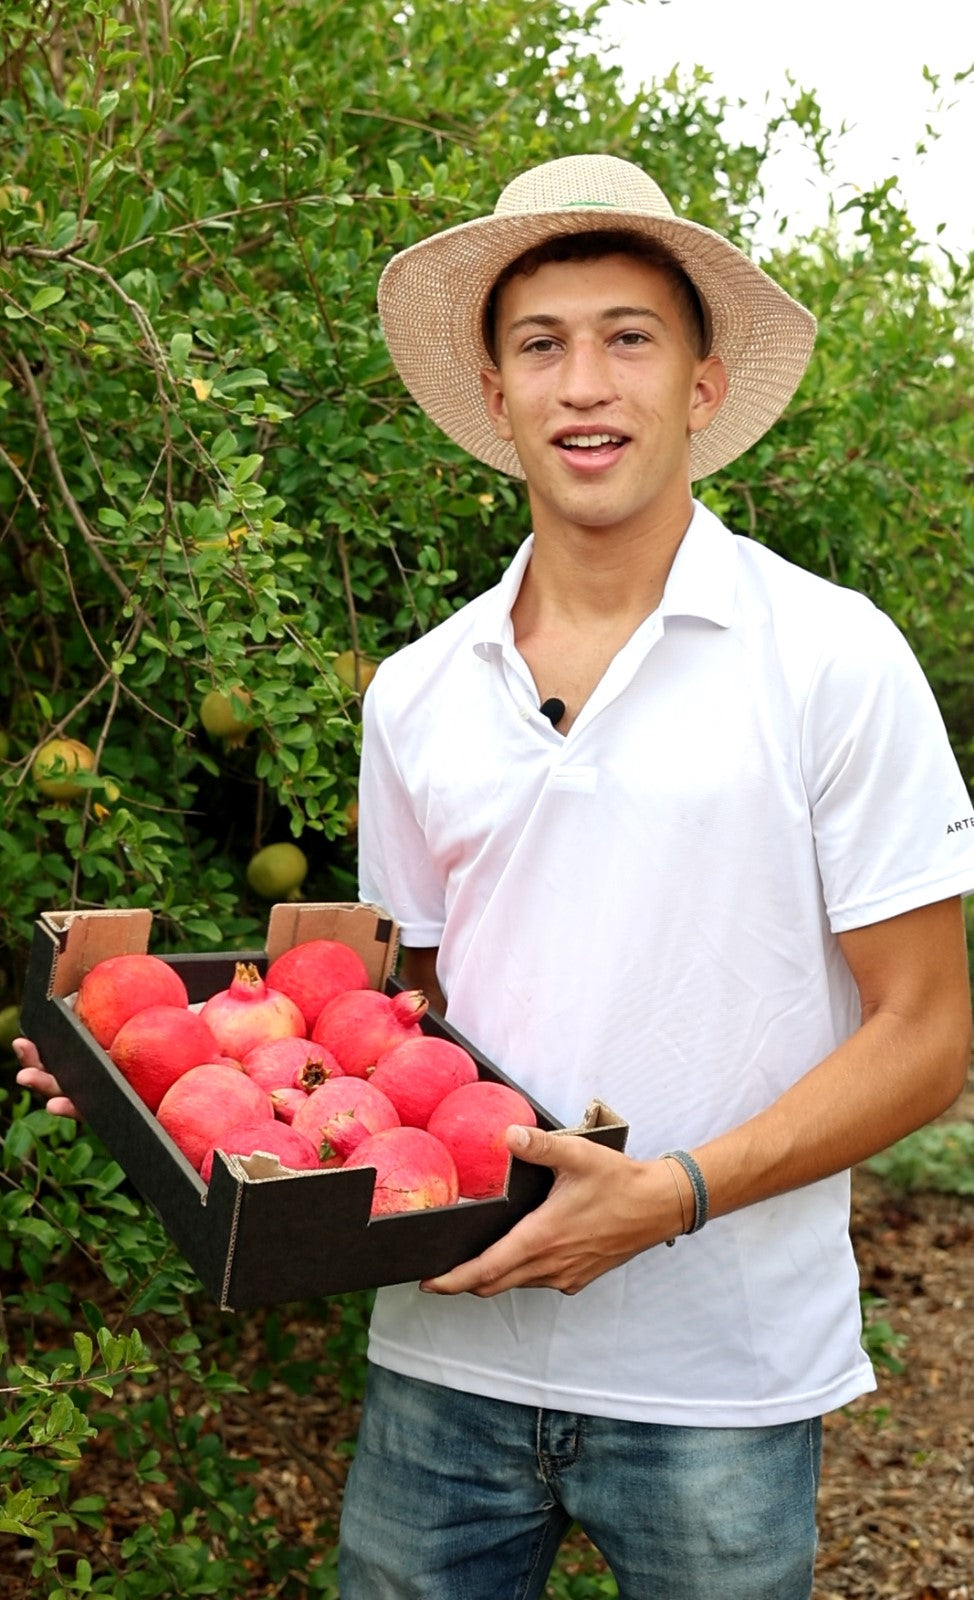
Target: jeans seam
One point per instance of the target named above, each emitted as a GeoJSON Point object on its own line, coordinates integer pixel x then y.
{"type": "Point", "coordinates": [525, 1585]}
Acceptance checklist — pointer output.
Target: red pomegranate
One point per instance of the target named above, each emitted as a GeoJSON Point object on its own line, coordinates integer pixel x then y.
{"type": "Point", "coordinates": [156, 1046]}
{"type": "Point", "coordinates": [249, 1013]}
{"type": "Point", "coordinates": [417, 1073]}
{"type": "Point", "coordinates": [340, 1114]}
{"type": "Point", "coordinates": [205, 1102]}
{"type": "Point", "coordinates": [274, 1138]}
{"type": "Point", "coordinates": [282, 1063]}
{"type": "Point", "coordinates": [312, 973]}
{"type": "Point", "coordinates": [472, 1122]}
{"type": "Point", "coordinates": [414, 1171]}
{"type": "Point", "coordinates": [117, 987]}
{"type": "Point", "coordinates": [361, 1025]}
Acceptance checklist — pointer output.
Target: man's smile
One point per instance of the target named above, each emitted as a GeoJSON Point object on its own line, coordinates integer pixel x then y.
{"type": "Point", "coordinates": [591, 449]}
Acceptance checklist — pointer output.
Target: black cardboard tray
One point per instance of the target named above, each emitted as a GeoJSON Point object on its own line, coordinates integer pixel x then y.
{"type": "Point", "coordinates": [259, 1241]}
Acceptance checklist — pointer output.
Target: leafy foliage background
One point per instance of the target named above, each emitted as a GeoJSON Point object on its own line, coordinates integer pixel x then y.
{"type": "Point", "coordinates": [210, 478]}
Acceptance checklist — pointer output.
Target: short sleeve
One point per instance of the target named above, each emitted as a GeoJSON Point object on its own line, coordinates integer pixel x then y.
{"type": "Point", "coordinates": [395, 870]}
{"type": "Point", "coordinates": [890, 810]}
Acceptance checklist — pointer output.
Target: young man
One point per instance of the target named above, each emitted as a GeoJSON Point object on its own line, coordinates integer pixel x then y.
{"type": "Point", "coordinates": [665, 821]}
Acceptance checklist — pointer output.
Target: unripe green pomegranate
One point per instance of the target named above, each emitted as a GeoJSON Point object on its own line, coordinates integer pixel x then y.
{"type": "Point", "coordinates": [355, 670]}
{"type": "Point", "coordinates": [9, 1027]}
{"type": "Point", "coordinates": [54, 767]}
{"type": "Point", "coordinates": [278, 871]}
{"type": "Point", "coordinates": [221, 715]}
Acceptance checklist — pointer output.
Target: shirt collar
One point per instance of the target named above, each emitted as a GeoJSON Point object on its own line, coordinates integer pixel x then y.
{"type": "Point", "coordinates": [703, 577]}
{"type": "Point", "coordinates": [494, 627]}
{"type": "Point", "coordinates": [702, 582]}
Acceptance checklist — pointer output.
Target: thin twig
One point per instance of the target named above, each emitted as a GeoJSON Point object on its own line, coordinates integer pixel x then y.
{"type": "Point", "coordinates": [37, 252]}
{"type": "Point", "coordinates": [461, 137]}
{"type": "Point", "coordinates": [89, 798]}
{"type": "Point", "coordinates": [349, 596]}
{"type": "Point", "coordinates": [11, 465]}
{"type": "Point", "coordinates": [50, 450]}
{"type": "Point", "coordinates": [322, 1476]}
{"type": "Point", "coordinates": [752, 515]}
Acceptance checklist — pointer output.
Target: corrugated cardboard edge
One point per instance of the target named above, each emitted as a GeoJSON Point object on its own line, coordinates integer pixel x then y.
{"type": "Point", "coordinates": [83, 938]}
{"type": "Point", "coordinates": [596, 1115]}
{"type": "Point", "coordinates": [261, 1164]}
{"type": "Point", "coordinates": [231, 1251]}
{"type": "Point", "coordinates": [377, 935]}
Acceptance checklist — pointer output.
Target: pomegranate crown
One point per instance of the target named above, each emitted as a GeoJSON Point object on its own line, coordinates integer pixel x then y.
{"type": "Point", "coordinates": [247, 982]}
{"type": "Point", "coordinates": [410, 1005]}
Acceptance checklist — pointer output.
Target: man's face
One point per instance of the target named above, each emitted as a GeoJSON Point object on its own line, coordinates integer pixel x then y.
{"type": "Point", "coordinates": [599, 390]}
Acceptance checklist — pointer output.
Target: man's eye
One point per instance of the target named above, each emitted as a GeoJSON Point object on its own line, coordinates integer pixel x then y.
{"type": "Point", "coordinates": [633, 336]}
{"type": "Point", "coordinates": [540, 346]}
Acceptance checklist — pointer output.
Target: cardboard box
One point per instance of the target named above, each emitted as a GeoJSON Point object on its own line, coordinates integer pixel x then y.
{"type": "Point", "coordinates": [258, 1235]}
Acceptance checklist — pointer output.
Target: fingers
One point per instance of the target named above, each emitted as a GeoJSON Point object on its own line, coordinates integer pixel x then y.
{"type": "Point", "coordinates": [537, 1250]}
{"type": "Point", "coordinates": [33, 1075]}
{"type": "Point", "coordinates": [42, 1083]}
{"type": "Point", "coordinates": [602, 1209]}
{"type": "Point", "coordinates": [514, 1263]}
{"type": "Point", "coordinates": [532, 1144]}
{"type": "Point", "coordinates": [563, 1152]}
{"type": "Point", "coordinates": [492, 1273]}
{"type": "Point", "coordinates": [26, 1052]}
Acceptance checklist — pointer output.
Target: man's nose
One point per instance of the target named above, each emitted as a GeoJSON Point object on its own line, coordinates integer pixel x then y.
{"type": "Point", "coordinates": [586, 374]}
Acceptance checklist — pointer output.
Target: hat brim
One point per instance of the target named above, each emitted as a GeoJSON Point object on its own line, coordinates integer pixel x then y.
{"type": "Point", "coordinates": [432, 297]}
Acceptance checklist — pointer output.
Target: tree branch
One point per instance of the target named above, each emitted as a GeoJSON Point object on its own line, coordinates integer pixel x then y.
{"type": "Point", "coordinates": [50, 450]}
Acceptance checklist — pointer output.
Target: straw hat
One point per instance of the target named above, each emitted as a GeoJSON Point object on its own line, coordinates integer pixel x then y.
{"type": "Point", "coordinates": [432, 298]}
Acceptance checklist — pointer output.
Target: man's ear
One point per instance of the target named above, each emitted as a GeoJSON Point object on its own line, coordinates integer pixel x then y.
{"type": "Point", "coordinates": [709, 393]}
{"type": "Point", "coordinates": [495, 403]}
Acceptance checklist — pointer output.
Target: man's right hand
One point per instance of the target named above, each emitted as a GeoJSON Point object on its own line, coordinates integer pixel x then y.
{"type": "Point", "coordinates": [33, 1075]}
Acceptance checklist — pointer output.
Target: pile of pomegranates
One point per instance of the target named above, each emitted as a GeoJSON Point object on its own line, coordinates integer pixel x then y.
{"type": "Point", "coordinates": [308, 1064]}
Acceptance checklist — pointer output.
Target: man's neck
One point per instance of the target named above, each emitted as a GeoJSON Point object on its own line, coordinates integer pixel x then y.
{"type": "Point", "coordinates": [580, 601]}
{"type": "Point", "coordinates": [596, 574]}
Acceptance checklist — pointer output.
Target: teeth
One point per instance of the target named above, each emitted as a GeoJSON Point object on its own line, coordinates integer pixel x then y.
{"type": "Point", "coordinates": [590, 441]}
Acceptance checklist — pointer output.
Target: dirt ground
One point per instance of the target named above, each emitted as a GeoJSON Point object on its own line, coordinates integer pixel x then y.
{"type": "Point", "coordinates": [897, 1503]}
{"type": "Point", "coordinates": [897, 1498]}
{"type": "Point", "coordinates": [896, 1510]}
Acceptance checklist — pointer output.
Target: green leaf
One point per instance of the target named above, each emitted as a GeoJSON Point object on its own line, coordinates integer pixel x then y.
{"type": "Point", "coordinates": [180, 346]}
{"type": "Point", "coordinates": [224, 445]}
{"type": "Point", "coordinates": [48, 296]}
{"type": "Point", "coordinates": [246, 468]}
{"type": "Point", "coordinates": [248, 378]}
{"type": "Point", "coordinates": [84, 1349]}
{"type": "Point", "coordinates": [130, 219]}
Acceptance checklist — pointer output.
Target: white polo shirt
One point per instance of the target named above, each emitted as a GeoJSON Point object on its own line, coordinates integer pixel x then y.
{"type": "Point", "coordinates": [645, 910]}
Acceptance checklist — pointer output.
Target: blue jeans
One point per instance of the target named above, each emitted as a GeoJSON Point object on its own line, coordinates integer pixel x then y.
{"type": "Point", "coordinates": [455, 1497]}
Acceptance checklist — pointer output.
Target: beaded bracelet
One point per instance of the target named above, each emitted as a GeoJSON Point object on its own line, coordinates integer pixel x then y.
{"type": "Point", "coordinates": [698, 1183]}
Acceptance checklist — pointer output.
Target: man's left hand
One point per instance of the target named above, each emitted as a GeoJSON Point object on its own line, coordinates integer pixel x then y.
{"type": "Point", "coordinates": [602, 1208]}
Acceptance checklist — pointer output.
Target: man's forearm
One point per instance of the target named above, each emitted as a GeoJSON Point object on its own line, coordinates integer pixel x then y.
{"type": "Point", "coordinates": [905, 1065]}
